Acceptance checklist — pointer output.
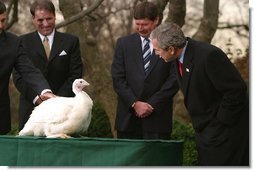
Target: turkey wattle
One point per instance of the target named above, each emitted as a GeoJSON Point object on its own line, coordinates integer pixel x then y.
{"type": "Point", "coordinates": [61, 116]}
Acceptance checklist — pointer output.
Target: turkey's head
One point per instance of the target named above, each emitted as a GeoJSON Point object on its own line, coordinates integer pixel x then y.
{"type": "Point", "coordinates": [78, 85]}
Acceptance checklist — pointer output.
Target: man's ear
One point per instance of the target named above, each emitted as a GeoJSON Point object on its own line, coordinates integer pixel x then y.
{"type": "Point", "coordinates": [157, 21]}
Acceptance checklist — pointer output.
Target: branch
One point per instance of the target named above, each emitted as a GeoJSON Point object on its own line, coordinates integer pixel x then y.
{"type": "Point", "coordinates": [80, 15]}
{"type": "Point", "coordinates": [230, 26]}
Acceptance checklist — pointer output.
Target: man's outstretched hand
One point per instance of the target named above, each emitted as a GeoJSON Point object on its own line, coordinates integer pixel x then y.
{"type": "Point", "coordinates": [47, 95]}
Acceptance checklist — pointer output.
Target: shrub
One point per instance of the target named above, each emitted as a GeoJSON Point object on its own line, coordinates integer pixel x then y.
{"type": "Point", "coordinates": [100, 125]}
{"type": "Point", "coordinates": [185, 131]}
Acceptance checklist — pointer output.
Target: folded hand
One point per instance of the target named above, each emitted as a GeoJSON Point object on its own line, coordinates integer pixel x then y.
{"type": "Point", "coordinates": [143, 109]}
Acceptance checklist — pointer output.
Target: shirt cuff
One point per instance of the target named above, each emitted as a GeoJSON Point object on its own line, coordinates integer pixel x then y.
{"type": "Point", "coordinates": [45, 91]}
{"type": "Point", "coordinates": [133, 105]}
{"type": "Point", "coordinates": [35, 99]}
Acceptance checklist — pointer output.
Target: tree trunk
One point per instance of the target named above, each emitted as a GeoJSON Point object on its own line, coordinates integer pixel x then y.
{"type": "Point", "coordinates": [208, 25]}
{"type": "Point", "coordinates": [177, 12]}
{"type": "Point", "coordinates": [161, 4]}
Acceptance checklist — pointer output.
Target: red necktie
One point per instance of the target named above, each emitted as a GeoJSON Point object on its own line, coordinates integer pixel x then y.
{"type": "Point", "coordinates": [180, 66]}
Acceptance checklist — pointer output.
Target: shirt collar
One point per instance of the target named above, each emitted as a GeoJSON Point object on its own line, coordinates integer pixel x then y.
{"type": "Point", "coordinates": [142, 40]}
{"type": "Point", "coordinates": [183, 52]}
{"type": "Point", "coordinates": [50, 37]}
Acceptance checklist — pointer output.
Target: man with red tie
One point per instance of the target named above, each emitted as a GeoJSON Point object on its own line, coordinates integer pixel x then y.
{"type": "Point", "coordinates": [215, 96]}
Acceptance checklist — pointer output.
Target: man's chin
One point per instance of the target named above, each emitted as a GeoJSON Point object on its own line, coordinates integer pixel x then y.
{"type": "Point", "coordinates": [166, 60]}
{"type": "Point", "coordinates": [46, 32]}
{"type": "Point", "coordinates": [144, 34]}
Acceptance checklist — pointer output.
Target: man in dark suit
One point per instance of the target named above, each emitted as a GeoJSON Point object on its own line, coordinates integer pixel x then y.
{"type": "Point", "coordinates": [12, 55]}
{"type": "Point", "coordinates": [145, 94]}
{"type": "Point", "coordinates": [215, 96]}
{"type": "Point", "coordinates": [61, 66]}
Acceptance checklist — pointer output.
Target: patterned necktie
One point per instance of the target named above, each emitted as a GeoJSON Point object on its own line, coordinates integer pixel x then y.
{"type": "Point", "coordinates": [146, 54]}
{"type": "Point", "coordinates": [46, 46]}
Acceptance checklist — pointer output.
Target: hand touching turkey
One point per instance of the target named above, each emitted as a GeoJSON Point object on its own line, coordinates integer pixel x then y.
{"type": "Point", "coordinates": [47, 95]}
{"type": "Point", "coordinates": [61, 116]}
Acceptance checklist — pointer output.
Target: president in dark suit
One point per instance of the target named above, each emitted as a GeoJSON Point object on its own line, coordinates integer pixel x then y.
{"type": "Point", "coordinates": [60, 61]}
{"type": "Point", "coordinates": [12, 55]}
{"type": "Point", "coordinates": [145, 88]}
{"type": "Point", "coordinates": [215, 96]}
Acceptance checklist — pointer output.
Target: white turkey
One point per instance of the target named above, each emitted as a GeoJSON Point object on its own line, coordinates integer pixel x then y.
{"type": "Point", "coordinates": [61, 116]}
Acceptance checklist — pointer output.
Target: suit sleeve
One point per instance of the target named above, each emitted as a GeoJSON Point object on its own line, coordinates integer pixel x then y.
{"type": "Point", "coordinates": [75, 71]}
{"type": "Point", "coordinates": [228, 81]}
{"type": "Point", "coordinates": [167, 90]}
{"type": "Point", "coordinates": [119, 76]}
{"type": "Point", "coordinates": [28, 74]}
{"type": "Point", "coordinates": [23, 87]}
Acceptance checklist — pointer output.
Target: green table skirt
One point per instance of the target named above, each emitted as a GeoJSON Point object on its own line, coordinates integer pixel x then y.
{"type": "Point", "coordinates": [40, 151]}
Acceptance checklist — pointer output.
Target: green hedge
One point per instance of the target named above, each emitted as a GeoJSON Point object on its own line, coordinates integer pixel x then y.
{"type": "Point", "coordinates": [100, 125]}
{"type": "Point", "coordinates": [185, 131]}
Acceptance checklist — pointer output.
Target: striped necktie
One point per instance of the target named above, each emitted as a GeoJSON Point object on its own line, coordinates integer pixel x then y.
{"type": "Point", "coordinates": [46, 46]}
{"type": "Point", "coordinates": [146, 54]}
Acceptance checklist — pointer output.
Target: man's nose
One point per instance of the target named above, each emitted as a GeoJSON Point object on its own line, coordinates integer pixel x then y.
{"type": "Point", "coordinates": [140, 28]}
{"type": "Point", "coordinates": [45, 23]}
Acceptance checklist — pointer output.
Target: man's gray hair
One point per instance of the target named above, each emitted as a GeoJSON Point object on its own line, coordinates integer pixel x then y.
{"type": "Point", "coordinates": [169, 34]}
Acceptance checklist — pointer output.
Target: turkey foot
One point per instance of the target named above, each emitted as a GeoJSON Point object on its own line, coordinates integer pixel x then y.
{"type": "Point", "coordinates": [59, 136]}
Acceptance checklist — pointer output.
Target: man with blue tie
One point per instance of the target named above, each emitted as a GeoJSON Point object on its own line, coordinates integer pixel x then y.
{"type": "Point", "coordinates": [215, 96]}
{"type": "Point", "coordinates": [143, 82]}
{"type": "Point", "coordinates": [56, 54]}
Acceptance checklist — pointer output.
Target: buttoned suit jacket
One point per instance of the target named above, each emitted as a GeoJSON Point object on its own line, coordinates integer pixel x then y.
{"type": "Point", "coordinates": [12, 55]}
{"type": "Point", "coordinates": [215, 96]}
{"type": "Point", "coordinates": [61, 69]}
{"type": "Point", "coordinates": [131, 84]}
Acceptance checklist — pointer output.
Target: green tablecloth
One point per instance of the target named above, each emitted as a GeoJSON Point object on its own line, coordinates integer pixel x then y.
{"type": "Point", "coordinates": [40, 151]}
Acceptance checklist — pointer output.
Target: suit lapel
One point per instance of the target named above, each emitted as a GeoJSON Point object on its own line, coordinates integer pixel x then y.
{"type": "Point", "coordinates": [56, 46]}
{"type": "Point", "coordinates": [137, 53]}
{"type": "Point", "coordinates": [154, 60]}
{"type": "Point", "coordinates": [187, 69]}
{"type": "Point", "coordinates": [3, 38]}
{"type": "Point", "coordinates": [38, 45]}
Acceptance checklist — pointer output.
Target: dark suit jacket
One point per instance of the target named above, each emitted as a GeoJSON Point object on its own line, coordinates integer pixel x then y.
{"type": "Point", "coordinates": [13, 55]}
{"type": "Point", "coordinates": [216, 98]}
{"type": "Point", "coordinates": [157, 88]}
{"type": "Point", "coordinates": [60, 70]}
